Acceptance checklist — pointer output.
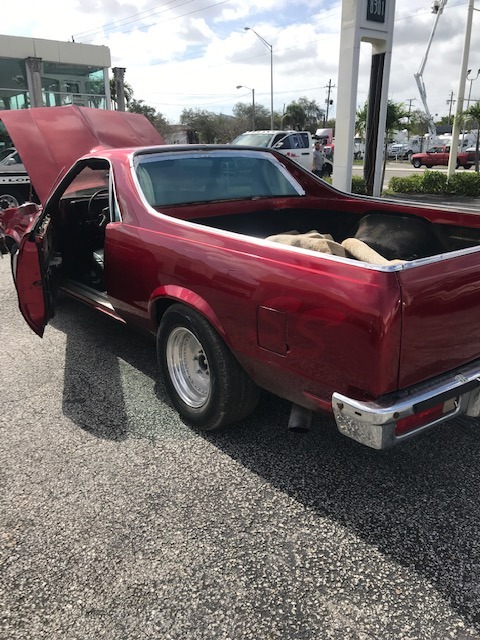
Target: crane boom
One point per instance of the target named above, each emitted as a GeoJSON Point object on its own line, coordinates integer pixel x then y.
{"type": "Point", "coordinates": [437, 9]}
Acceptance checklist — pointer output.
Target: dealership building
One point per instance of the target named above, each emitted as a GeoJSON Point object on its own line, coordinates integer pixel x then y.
{"type": "Point", "coordinates": [44, 73]}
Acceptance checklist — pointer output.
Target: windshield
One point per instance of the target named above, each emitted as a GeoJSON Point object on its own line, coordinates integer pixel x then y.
{"type": "Point", "coordinates": [181, 178]}
{"type": "Point", "coordinates": [253, 139]}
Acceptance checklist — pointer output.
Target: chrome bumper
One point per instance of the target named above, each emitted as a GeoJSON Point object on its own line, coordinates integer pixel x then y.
{"type": "Point", "coordinates": [374, 424]}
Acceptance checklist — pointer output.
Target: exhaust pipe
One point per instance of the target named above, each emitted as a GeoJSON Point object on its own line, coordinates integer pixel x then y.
{"type": "Point", "coordinates": [300, 419]}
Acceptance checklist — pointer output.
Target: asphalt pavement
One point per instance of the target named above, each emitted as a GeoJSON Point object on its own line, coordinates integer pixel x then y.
{"type": "Point", "coordinates": [119, 522]}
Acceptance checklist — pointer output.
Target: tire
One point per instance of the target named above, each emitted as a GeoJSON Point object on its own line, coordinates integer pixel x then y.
{"type": "Point", "coordinates": [467, 166]}
{"type": "Point", "coordinates": [206, 384]}
{"type": "Point", "coordinates": [12, 198]}
{"type": "Point", "coordinates": [416, 163]}
{"type": "Point", "coordinates": [409, 155]}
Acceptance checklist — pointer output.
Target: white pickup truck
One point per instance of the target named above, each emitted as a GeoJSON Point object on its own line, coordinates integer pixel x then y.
{"type": "Point", "coordinates": [297, 145]}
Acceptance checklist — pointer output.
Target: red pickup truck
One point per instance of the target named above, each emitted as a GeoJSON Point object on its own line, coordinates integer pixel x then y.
{"type": "Point", "coordinates": [440, 156]}
{"type": "Point", "coordinates": [251, 273]}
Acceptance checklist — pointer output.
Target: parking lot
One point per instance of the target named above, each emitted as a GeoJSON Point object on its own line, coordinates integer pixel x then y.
{"type": "Point", "coordinates": [117, 521]}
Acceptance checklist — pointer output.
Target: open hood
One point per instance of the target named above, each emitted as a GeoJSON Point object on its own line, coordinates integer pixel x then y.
{"type": "Point", "coordinates": [50, 139]}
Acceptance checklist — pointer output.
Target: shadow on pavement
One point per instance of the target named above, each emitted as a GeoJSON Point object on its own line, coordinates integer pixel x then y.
{"type": "Point", "coordinates": [418, 503]}
{"type": "Point", "coordinates": [94, 392]}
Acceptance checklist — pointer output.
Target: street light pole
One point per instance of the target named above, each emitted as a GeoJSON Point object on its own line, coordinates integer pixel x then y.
{"type": "Point", "coordinates": [270, 47]}
{"type": "Point", "coordinates": [452, 159]}
{"type": "Point", "coordinates": [240, 86]}
{"type": "Point", "coordinates": [471, 80]}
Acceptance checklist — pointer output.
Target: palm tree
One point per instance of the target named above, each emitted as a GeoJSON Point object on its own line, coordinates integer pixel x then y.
{"type": "Point", "coordinates": [295, 116]}
{"type": "Point", "coordinates": [472, 114]}
{"type": "Point", "coordinates": [396, 114]}
{"type": "Point", "coordinates": [127, 89]}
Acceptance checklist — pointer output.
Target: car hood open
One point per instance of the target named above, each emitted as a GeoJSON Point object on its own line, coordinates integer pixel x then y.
{"type": "Point", "coordinates": [50, 139]}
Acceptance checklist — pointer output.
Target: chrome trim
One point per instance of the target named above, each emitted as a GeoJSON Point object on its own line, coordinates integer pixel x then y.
{"type": "Point", "coordinates": [373, 423]}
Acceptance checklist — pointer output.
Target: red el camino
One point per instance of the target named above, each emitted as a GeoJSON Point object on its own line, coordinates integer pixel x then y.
{"type": "Point", "coordinates": [252, 273]}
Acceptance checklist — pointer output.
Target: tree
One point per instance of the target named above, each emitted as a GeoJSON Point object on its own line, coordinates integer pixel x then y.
{"type": "Point", "coordinates": [418, 125]}
{"type": "Point", "coordinates": [158, 120]}
{"type": "Point", "coordinates": [210, 127]}
{"type": "Point", "coordinates": [303, 114]}
{"type": "Point", "coordinates": [243, 115]}
{"type": "Point", "coordinates": [127, 89]}
{"type": "Point", "coordinates": [472, 114]}
{"type": "Point", "coordinates": [139, 106]}
{"type": "Point", "coordinates": [295, 116]}
{"type": "Point", "coordinates": [361, 120]}
{"type": "Point", "coordinates": [395, 120]}
{"type": "Point", "coordinates": [313, 114]}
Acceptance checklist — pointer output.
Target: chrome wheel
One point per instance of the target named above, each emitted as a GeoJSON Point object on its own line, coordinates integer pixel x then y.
{"type": "Point", "coordinates": [205, 382]}
{"type": "Point", "coordinates": [188, 367]}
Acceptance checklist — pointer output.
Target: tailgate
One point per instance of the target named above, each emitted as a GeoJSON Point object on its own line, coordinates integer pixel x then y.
{"type": "Point", "coordinates": [441, 317]}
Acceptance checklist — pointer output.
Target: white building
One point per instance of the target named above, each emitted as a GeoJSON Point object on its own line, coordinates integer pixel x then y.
{"type": "Point", "coordinates": [44, 73]}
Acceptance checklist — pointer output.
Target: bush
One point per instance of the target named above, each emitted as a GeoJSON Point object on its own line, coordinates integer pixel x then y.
{"type": "Point", "coordinates": [435, 182]}
{"type": "Point", "coordinates": [411, 184]}
{"type": "Point", "coordinates": [465, 184]}
{"type": "Point", "coordinates": [359, 185]}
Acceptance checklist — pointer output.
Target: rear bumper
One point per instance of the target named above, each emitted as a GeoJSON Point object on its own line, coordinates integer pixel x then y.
{"type": "Point", "coordinates": [381, 424]}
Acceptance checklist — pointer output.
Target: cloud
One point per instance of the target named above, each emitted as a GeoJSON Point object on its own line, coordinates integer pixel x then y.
{"type": "Point", "coordinates": [193, 53]}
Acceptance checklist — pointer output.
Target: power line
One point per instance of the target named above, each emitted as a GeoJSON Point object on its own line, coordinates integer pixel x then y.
{"type": "Point", "coordinates": [183, 15]}
{"type": "Point", "coordinates": [136, 17]}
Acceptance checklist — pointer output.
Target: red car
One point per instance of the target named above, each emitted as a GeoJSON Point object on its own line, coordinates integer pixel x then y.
{"type": "Point", "coordinates": [252, 273]}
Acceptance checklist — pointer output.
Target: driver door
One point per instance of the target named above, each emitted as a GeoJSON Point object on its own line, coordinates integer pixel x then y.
{"type": "Point", "coordinates": [33, 273]}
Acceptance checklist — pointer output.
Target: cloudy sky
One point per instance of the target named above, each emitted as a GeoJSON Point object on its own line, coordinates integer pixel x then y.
{"type": "Point", "coordinates": [193, 53]}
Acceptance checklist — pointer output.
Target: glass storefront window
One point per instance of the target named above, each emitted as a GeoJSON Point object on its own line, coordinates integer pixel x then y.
{"type": "Point", "coordinates": [73, 84]}
{"type": "Point", "coordinates": [13, 84]}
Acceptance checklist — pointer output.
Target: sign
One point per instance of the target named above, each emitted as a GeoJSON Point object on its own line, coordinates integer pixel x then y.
{"type": "Point", "coordinates": [376, 10]}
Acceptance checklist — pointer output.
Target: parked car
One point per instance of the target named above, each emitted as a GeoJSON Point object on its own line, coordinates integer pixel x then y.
{"type": "Point", "coordinates": [7, 151]}
{"type": "Point", "coordinates": [440, 156]}
{"type": "Point", "coordinates": [251, 273]}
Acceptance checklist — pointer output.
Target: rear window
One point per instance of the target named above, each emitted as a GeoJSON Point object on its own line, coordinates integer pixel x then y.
{"type": "Point", "coordinates": [175, 178]}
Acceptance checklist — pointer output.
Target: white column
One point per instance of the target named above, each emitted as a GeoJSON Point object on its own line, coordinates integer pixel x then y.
{"type": "Point", "coordinates": [362, 21]}
{"type": "Point", "coordinates": [34, 81]}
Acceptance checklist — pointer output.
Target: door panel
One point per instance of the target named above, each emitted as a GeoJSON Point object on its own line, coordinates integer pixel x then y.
{"type": "Point", "coordinates": [32, 266]}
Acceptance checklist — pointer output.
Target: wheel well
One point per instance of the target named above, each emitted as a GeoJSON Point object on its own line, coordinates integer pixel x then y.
{"type": "Point", "coordinates": [165, 296]}
{"type": "Point", "coordinates": [161, 305]}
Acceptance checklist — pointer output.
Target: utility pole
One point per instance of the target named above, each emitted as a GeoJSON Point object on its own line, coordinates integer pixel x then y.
{"type": "Point", "coordinates": [451, 102]}
{"type": "Point", "coordinates": [410, 100]}
{"type": "Point", "coordinates": [329, 86]}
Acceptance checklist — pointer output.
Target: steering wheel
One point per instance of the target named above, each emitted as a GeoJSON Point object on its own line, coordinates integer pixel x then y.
{"type": "Point", "coordinates": [97, 217]}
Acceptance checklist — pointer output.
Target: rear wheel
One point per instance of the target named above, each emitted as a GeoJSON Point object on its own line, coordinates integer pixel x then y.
{"type": "Point", "coordinates": [467, 166]}
{"type": "Point", "coordinates": [206, 384]}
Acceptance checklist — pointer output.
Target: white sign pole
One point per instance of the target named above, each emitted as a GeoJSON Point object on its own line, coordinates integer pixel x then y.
{"type": "Point", "coordinates": [362, 21]}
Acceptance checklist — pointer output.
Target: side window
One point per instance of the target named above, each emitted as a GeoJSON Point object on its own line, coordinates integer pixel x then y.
{"type": "Point", "coordinates": [289, 142]}
{"type": "Point", "coordinates": [304, 140]}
